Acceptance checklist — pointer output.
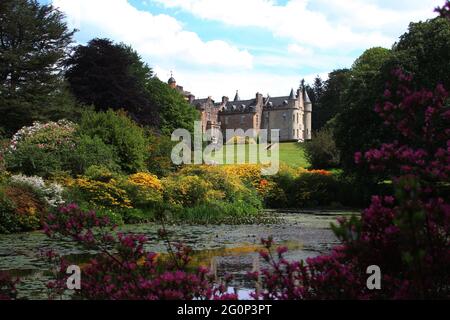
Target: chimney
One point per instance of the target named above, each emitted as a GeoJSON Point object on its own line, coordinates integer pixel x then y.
{"type": "Point", "coordinates": [225, 100]}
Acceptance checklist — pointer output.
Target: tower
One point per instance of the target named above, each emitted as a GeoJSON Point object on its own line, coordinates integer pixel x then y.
{"type": "Point", "coordinates": [172, 82]}
{"type": "Point", "coordinates": [307, 116]}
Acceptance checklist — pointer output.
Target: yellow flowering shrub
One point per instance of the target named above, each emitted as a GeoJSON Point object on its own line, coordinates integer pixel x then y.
{"type": "Point", "coordinates": [187, 191]}
{"type": "Point", "coordinates": [145, 189]}
{"type": "Point", "coordinates": [102, 194]}
{"type": "Point", "coordinates": [146, 180]}
{"type": "Point", "coordinates": [249, 173]}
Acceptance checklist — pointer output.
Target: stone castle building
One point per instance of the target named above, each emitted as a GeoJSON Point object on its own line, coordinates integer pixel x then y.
{"type": "Point", "coordinates": [291, 114]}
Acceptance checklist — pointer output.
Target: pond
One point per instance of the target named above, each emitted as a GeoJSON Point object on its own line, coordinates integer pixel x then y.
{"type": "Point", "coordinates": [226, 249]}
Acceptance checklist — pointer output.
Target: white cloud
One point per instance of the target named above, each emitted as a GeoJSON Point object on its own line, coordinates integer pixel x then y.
{"type": "Point", "coordinates": [342, 24]}
{"type": "Point", "coordinates": [159, 37]}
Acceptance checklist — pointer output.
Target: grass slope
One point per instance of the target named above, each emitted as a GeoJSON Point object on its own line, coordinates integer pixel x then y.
{"type": "Point", "coordinates": [290, 153]}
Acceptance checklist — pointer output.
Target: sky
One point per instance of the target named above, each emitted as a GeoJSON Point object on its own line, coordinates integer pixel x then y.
{"type": "Point", "coordinates": [215, 47]}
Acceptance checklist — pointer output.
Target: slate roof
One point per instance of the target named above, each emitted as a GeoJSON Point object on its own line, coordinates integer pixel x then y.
{"type": "Point", "coordinates": [241, 106]}
{"type": "Point", "coordinates": [276, 102]}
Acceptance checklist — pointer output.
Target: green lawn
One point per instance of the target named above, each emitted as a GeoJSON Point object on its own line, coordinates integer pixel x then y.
{"type": "Point", "coordinates": [291, 153]}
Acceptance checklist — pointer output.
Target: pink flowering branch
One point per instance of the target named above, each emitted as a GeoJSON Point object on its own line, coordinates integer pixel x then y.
{"type": "Point", "coordinates": [123, 269]}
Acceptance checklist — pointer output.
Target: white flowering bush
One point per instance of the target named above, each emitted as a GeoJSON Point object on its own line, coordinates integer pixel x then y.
{"type": "Point", "coordinates": [47, 136]}
{"type": "Point", "coordinates": [52, 193]}
{"type": "Point", "coordinates": [41, 149]}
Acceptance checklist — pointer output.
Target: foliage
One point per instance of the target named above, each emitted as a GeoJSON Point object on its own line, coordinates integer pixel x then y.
{"type": "Point", "coordinates": [119, 132]}
{"type": "Point", "coordinates": [357, 126]}
{"type": "Point", "coordinates": [124, 269]}
{"type": "Point", "coordinates": [8, 219]}
{"type": "Point", "coordinates": [329, 97]}
{"type": "Point", "coordinates": [50, 192]}
{"type": "Point", "coordinates": [35, 41]}
{"type": "Point", "coordinates": [91, 151]}
{"type": "Point", "coordinates": [321, 151]}
{"type": "Point", "coordinates": [444, 11]}
{"type": "Point", "coordinates": [210, 192]}
{"type": "Point", "coordinates": [110, 76]}
{"type": "Point", "coordinates": [159, 159]}
{"type": "Point", "coordinates": [423, 51]}
{"type": "Point", "coordinates": [311, 190]}
{"type": "Point", "coordinates": [405, 234]}
{"type": "Point", "coordinates": [21, 209]}
{"type": "Point", "coordinates": [41, 149]}
{"type": "Point", "coordinates": [145, 190]}
{"type": "Point", "coordinates": [173, 111]}
{"type": "Point", "coordinates": [101, 194]}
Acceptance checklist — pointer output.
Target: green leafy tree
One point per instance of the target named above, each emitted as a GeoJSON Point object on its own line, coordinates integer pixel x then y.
{"type": "Point", "coordinates": [425, 52]}
{"type": "Point", "coordinates": [34, 41]}
{"type": "Point", "coordinates": [173, 110]}
{"type": "Point", "coordinates": [332, 99]}
{"type": "Point", "coordinates": [110, 76]}
{"type": "Point", "coordinates": [357, 126]}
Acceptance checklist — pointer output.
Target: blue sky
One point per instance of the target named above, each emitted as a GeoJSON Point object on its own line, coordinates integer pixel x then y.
{"type": "Point", "coordinates": [215, 47]}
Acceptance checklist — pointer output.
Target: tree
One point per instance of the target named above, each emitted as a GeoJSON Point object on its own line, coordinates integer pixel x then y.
{"type": "Point", "coordinates": [110, 76]}
{"type": "Point", "coordinates": [357, 126]}
{"type": "Point", "coordinates": [34, 41]}
{"type": "Point", "coordinates": [173, 110]}
{"type": "Point", "coordinates": [425, 52]}
{"type": "Point", "coordinates": [332, 99]}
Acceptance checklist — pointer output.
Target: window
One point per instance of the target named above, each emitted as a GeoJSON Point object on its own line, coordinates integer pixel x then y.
{"type": "Point", "coordinates": [257, 120]}
{"type": "Point", "coordinates": [284, 117]}
{"type": "Point", "coordinates": [209, 116]}
{"type": "Point", "coordinates": [242, 119]}
{"type": "Point", "coordinates": [293, 133]}
{"type": "Point", "coordinates": [226, 120]}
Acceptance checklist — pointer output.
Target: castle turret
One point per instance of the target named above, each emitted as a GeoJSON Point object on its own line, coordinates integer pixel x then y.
{"type": "Point", "coordinates": [292, 95]}
{"type": "Point", "coordinates": [307, 116]}
{"type": "Point", "coordinates": [172, 82]}
{"type": "Point", "coordinates": [236, 97]}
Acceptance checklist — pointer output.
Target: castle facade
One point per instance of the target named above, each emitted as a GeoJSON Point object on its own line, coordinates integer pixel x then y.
{"type": "Point", "coordinates": [291, 115]}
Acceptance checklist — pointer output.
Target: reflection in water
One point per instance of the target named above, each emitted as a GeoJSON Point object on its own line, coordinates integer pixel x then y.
{"type": "Point", "coordinates": [226, 249]}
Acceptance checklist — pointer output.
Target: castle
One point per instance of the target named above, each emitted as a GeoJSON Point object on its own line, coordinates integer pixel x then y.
{"type": "Point", "coordinates": [292, 114]}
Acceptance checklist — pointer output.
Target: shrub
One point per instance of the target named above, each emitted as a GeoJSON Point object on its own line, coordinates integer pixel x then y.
{"type": "Point", "coordinates": [321, 151]}
{"type": "Point", "coordinates": [8, 219]}
{"type": "Point", "coordinates": [159, 159]}
{"type": "Point", "coordinates": [90, 151]}
{"type": "Point", "coordinates": [405, 234]}
{"type": "Point", "coordinates": [41, 149]}
{"type": "Point", "coordinates": [145, 190]}
{"type": "Point", "coordinates": [123, 269]}
{"type": "Point", "coordinates": [50, 192]}
{"type": "Point", "coordinates": [312, 189]}
{"type": "Point", "coordinates": [21, 209]}
{"type": "Point", "coordinates": [210, 193]}
{"type": "Point", "coordinates": [115, 129]}
{"type": "Point", "coordinates": [100, 194]}
{"type": "Point", "coordinates": [187, 191]}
